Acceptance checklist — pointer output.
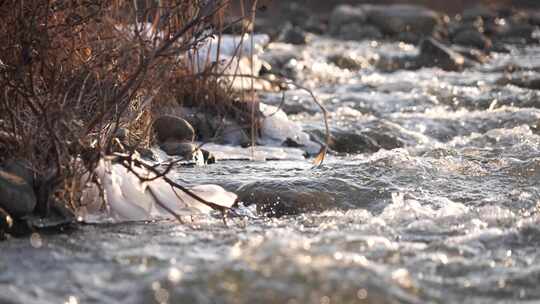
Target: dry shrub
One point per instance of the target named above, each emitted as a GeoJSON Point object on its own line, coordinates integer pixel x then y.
{"type": "Point", "coordinates": [73, 72]}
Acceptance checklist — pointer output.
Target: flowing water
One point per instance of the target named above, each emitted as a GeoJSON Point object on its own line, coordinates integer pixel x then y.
{"type": "Point", "coordinates": [447, 212]}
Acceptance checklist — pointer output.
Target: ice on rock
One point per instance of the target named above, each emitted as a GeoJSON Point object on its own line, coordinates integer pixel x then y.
{"type": "Point", "coordinates": [130, 199]}
{"type": "Point", "coordinates": [276, 128]}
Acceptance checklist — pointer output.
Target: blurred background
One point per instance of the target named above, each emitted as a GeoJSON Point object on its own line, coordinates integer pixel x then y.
{"type": "Point", "coordinates": [450, 7]}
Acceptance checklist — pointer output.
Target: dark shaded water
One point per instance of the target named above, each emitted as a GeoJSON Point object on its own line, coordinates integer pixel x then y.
{"type": "Point", "coordinates": [447, 213]}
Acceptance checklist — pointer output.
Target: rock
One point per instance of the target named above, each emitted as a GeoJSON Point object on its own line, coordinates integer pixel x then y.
{"type": "Point", "coordinates": [516, 33]}
{"type": "Point", "coordinates": [230, 133]}
{"type": "Point", "coordinates": [349, 61]}
{"type": "Point", "coordinates": [534, 18]}
{"type": "Point", "coordinates": [20, 168]}
{"type": "Point", "coordinates": [267, 26]}
{"type": "Point", "coordinates": [346, 15]}
{"type": "Point", "coordinates": [351, 142]}
{"type": "Point", "coordinates": [183, 149]}
{"type": "Point", "coordinates": [276, 198]}
{"type": "Point", "coordinates": [209, 158]}
{"type": "Point", "coordinates": [356, 32]}
{"type": "Point", "coordinates": [17, 197]}
{"type": "Point", "coordinates": [370, 140]}
{"type": "Point", "coordinates": [472, 38]}
{"type": "Point", "coordinates": [479, 11]}
{"type": "Point", "coordinates": [169, 127]}
{"type": "Point", "coordinates": [315, 25]}
{"type": "Point", "coordinates": [293, 35]}
{"type": "Point", "coordinates": [296, 13]}
{"type": "Point", "coordinates": [394, 63]}
{"type": "Point", "coordinates": [532, 83]}
{"type": "Point", "coordinates": [276, 128]}
{"type": "Point", "coordinates": [146, 153]}
{"type": "Point", "coordinates": [279, 54]}
{"type": "Point", "coordinates": [398, 18]}
{"type": "Point", "coordinates": [456, 27]}
{"type": "Point", "coordinates": [471, 53]}
{"type": "Point", "coordinates": [435, 54]}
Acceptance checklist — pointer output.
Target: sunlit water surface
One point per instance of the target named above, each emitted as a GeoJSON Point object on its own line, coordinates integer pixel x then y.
{"type": "Point", "coordinates": [447, 213]}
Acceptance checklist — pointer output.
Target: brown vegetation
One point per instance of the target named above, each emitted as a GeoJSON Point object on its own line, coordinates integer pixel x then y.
{"type": "Point", "coordinates": [72, 73]}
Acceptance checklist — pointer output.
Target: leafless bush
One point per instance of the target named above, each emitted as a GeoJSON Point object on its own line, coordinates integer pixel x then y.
{"type": "Point", "coordinates": [73, 72]}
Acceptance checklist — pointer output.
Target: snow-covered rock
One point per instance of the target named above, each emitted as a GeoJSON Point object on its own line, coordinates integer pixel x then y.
{"type": "Point", "coordinates": [130, 199]}
{"type": "Point", "coordinates": [276, 128]}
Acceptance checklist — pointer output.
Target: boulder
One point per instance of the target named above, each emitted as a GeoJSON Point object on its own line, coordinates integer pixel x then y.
{"type": "Point", "coordinates": [177, 148]}
{"type": "Point", "coordinates": [472, 38]}
{"type": "Point", "coordinates": [170, 127]}
{"type": "Point", "coordinates": [436, 54]}
{"type": "Point", "coordinates": [344, 15]}
{"type": "Point", "coordinates": [17, 197]}
{"type": "Point", "coordinates": [373, 138]}
{"type": "Point", "coordinates": [230, 133]}
{"type": "Point", "coordinates": [398, 18]}
{"type": "Point", "coordinates": [276, 198]}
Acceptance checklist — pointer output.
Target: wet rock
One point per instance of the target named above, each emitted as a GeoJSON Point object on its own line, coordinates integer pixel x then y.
{"type": "Point", "coordinates": [296, 13]}
{"type": "Point", "coordinates": [356, 32]}
{"type": "Point", "coordinates": [279, 55]}
{"type": "Point", "coordinates": [315, 25]}
{"type": "Point", "coordinates": [479, 11]}
{"type": "Point", "coordinates": [473, 54]}
{"type": "Point", "coordinates": [208, 157]}
{"type": "Point", "coordinates": [146, 153]}
{"type": "Point", "coordinates": [394, 63]}
{"type": "Point", "coordinates": [57, 220]}
{"type": "Point", "coordinates": [374, 136]}
{"type": "Point", "coordinates": [395, 19]}
{"type": "Point", "coordinates": [408, 37]}
{"type": "Point", "coordinates": [20, 168]}
{"type": "Point", "coordinates": [350, 142]}
{"type": "Point", "coordinates": [385, 139]}
{"type": "Point", "coordinates": [267, 26]}
{"type": "Point", "coordinates": [343, 141]}
{"type": "Point", "coordinates": [276, 198]}
{"type": "Point", "coordinates": [435, 54]}
{"type": "Point", "coordinates": [534, 18]}
{"type": "Point", "coordinates": [293, 35]}
{"type": "Point", "coordinates": [17, 197]}
{"type": "Point", "coordinates": [169, 127]}
{"type": "Point", "coordinates": [230, 133]}
{"type": "Point", "coordinates": [183, 149]}
{"type": "Point", "coordinates": [516, 33]}
{"type": "Point", "coordinates": [348, 61]}
{"type": "Point", "coordinates": [472, 38]}
{"type": "Point", "coordinates": [344, 15]}
{"type": "Point", "coordinates": [526, 82]}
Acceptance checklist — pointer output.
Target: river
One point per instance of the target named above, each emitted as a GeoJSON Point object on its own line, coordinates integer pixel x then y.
{"type": "Point", "coordinates": [446, 212]}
